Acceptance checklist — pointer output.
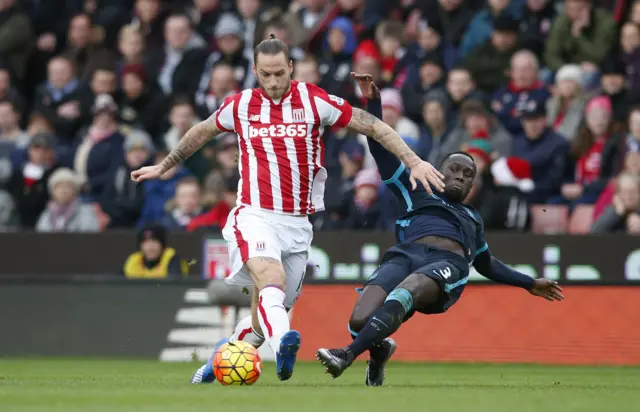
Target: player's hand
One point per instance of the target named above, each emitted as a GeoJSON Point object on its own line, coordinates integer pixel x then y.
{"type": "Point", "coordinates": [548, 289]}
{"type": "Point", "coordinates": [366, 84]}
{"type": "Point", "coordinates": [146, 173]}
{"type": "Point", "coordinates": [426, 173]}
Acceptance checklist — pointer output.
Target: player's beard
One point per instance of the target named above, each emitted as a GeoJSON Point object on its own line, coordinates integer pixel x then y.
{"type": "Point", "coordinates": [276, 93]}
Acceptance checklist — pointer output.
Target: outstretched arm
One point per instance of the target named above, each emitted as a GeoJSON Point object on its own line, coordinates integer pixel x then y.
{"type": "Point", "coordinates": [491, 268]}
{"type": "Point", "coordinates": [369, 125]}
{"type": "Point", "coordinates": [191, 142]}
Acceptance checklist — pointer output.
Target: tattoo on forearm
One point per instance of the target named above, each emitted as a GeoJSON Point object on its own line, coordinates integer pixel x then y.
{"type": "Point", "coordinates": [193, 140]}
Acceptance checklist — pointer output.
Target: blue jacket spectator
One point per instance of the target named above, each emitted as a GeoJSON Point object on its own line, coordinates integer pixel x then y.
{"type": "Point", "coordinates": [545, 150]}
{"type": "Point", "coordinates": [157, 193]}
{"type": "Point", "coordinates": [481, 27]}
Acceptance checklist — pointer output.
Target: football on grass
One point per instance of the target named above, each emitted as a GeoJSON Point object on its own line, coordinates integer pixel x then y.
{"type": "Point", "coordinates": [237, 363]}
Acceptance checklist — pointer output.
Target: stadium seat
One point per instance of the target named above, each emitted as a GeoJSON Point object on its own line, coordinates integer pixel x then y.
{"type": "Point", "coordinates": [549, 219]}
{"type": "Point", "coordinates": [581, 220]}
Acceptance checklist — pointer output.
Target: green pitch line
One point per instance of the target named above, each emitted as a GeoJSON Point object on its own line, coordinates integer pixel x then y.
{"type": "Point", "coordinates": [28, 385]}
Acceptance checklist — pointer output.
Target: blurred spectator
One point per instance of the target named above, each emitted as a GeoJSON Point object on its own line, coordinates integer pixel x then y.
{"type": "Point", "coordinates": [612, 85]}
{"type": "Point", "coordinates": [498, 192]}
{"type": "Point", "coordinates": [583, 35]}
{"type": "Point", "coordinates": [229, 34]}
{"type": "Point", "coordinates": [390, 39]}
{"type": "Point", "coordinates": [393, 115]}
{"type": "Point", "coordinates": [335, 60]}
{"type": "Point", "coordinates": [142, 105]}
{"type": "Point", "coordinates": [123, 198]}
{"type": "Point", "coordinates": [364, 206]}
{"type": "Point", "coordinates": [249, 12]}
{"type": "Point", "coordinates": [460, 87]}
{"type": "Point", "coordinates": [66, 212]}
{"type": "Point", "coordinates": [624, 214]}
{"type": "Point", "coordinates": [304, 19]}
{"type": "Point", "coordinates": [306, 70]}
{"type": "Point", "coordinates": [16, 37]}
{"type": "Point", "coordinates": [187, 205]}
{"type": "Point", "coordinates": [83, 49]}
{"type": "Point", "coordinates": [58, 98]}
{"type": "Point", "coordinates": [545, 150]}
{"type": "Point", "coordinates": [131, 46]}
{"type": "Point", "coordinates": [180, 62]}
{"type": "Point", "coordinates": [538, 15]}
{"type": "Point", "coordinates": [221, 85]}
{"type": "Point", "coordinates": [587, 181]}
{"type": "Point", "coordinates": [8, 90]}
{"type": "Point", "coordinates": [489, 63]}
{"type": "Point", "coordinates": [566, 107]}
{"type": "Point", "coordinates": [619, 144]}
{"type": "Point", "coordinates": [158, 192]}
{"type": "Point", "coordinates": [523, 87]}
{"type": "Point", "coordinates": [216, 217]}
{"type": "Point", "coordinates": [631, 166]}
{"type": "Point", "coordinates": [476, 123]}
{"type": "Point", "coordinates": [226, 156]}
{"type": "Point", "coordinates": [205, 15]}
{"type": "Point", "coordinates": [149, 19]}
{"type": "Point", "coordinates": [630, 51]}
{"type": "Point", "coordinates": [366, 59]}
{"type": "Point", "coordinates": [278, 27]}
{"type": "Point", "coordinates": [455, 16]}
{"type": "Point", "coordinates": [101, 150]}
{"type": "Point", "coordinates": [10, 132]}
{"type": "Point", "coordinates": [436, 125]}
{"type": "Point", "coordinates": [182, 117]}
{"type": "Point", "coordinates": [483, 25]}
{"type": "Point", "coordinates": [429, 44]}
{"type": "Point", "coordinates": [154, 259]}
{"type": "Point", "coordinates": [28, 182]}
{"type": "Point", "coordinates": [351, 158]}
{"type": "Point", "coordinates": [9, 221]}
{"type": "Point", "coordinates": [102, 81]}
{"type": "Point", "coordinates": [421, 78]}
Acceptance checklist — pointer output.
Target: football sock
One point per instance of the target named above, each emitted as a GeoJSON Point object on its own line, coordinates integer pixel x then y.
{"type": "Point", "coordinates": [373, 350]}
{"type": "Point", "coordinates": [384, 322]}
{"type": "Point", "coordinates": [244, 332]}
{"type": "Point", "coordinates": [273, 316]}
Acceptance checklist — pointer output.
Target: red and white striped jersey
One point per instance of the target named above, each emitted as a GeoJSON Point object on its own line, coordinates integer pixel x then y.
{"type": "Point", "coordinates": [281, 149]}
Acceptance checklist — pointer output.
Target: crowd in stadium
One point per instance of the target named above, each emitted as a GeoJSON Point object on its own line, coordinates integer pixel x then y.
{"type": "Point", "coordinates": [544, 94]}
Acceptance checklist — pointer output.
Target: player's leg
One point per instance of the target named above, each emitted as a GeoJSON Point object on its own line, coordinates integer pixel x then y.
{"type": "Point", "coordinates": [269, 277]}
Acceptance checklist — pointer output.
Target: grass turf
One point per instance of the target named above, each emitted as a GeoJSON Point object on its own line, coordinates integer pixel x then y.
{"type": "Point", "coordinates": [117, 385]}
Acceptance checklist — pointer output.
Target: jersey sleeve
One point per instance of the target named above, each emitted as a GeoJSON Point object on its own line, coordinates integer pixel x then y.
{"type": "Point", "coordinates": [481, 243]}
{"type": "Point", "coordinates": [332, 110]}
{"type": "Point", "coordinates": [388, 164]}
{"type": "Point", "coordinates": [224, 115]}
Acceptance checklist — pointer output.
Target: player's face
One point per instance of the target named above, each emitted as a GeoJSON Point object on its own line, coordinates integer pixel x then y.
{"type": "Point", "coordinates": [274, 74]}
{"type": "Point", "coordinates": [459, 173]}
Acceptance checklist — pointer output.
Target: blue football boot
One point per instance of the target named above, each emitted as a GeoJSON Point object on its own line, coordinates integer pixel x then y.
{"type": "Point", "coordinates": [204, 374]}
{"type": "Point", "coordinates": [286, 356]}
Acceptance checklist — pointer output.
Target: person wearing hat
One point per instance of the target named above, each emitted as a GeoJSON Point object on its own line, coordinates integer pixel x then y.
{"type": "Point", "coordinates": [141, 104]}
{"type": "Point", "coordinates": [393, 114]}
{"type": "Point", "coordinates": [101, 151]}
{"type": "Point", "coordinates": [28, 181]}
{"type": "Point", "coordinates": [489, 62]}
{"type": "Point", "coordinates": [565, 109]}
{"type": "Point", "coordinates": [612, 85]}
{"type": "Point", "coordinates": [437, 124]}
{"type": "Point", "coordinates": [123, 198]}
{"type": "Point", "coordinates": [544, 150]}
{"type": "Point", "coordinates": [229, 37]}
{"type": "Point", "coordinates": [66, 212]}
{"type": "Point", "coordinates": [154, 258]}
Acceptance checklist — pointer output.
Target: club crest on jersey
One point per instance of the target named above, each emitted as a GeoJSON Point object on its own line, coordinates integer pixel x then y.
{"type": "Point", "coordinates": [298, 115]}
{"type": "Point", "coordinates": [260, 246]}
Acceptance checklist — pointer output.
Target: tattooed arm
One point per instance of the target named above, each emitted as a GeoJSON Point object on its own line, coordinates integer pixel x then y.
{"type": "Point", "coordinates": [191, 142]}
{"type": "Point", "coordinates": [369, 125]}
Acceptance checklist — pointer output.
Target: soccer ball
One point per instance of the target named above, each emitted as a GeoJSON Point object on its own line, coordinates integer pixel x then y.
{"type": "Point", "coordinates": [237, 363]}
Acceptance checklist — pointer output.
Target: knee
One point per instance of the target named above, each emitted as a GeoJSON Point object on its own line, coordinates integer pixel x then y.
{"type": "Point", "coordinates": [358, 321]}
{"type": "Point", "coordinates": [268, 272]}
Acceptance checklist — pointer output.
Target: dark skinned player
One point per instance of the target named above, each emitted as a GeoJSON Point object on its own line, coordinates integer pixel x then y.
{"type": "Point", "coordinates": [439, 239]}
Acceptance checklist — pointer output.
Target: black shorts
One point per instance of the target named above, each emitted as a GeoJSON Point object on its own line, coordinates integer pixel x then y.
{"type": "Point", "coordinates": [450, 270]}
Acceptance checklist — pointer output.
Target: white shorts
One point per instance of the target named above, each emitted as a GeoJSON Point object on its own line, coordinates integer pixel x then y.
{"type": "Point", "coordinates": [252, 232]}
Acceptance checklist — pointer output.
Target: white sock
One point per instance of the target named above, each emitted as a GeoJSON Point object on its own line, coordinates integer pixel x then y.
{"type": "Point", "coordinates": [273, 317]}
{"type": "Point", "coordinates": [244, 332]}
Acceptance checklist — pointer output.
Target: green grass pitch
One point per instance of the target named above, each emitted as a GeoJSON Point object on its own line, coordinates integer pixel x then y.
{"type": "Point", "coordinates": [129, 385]}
